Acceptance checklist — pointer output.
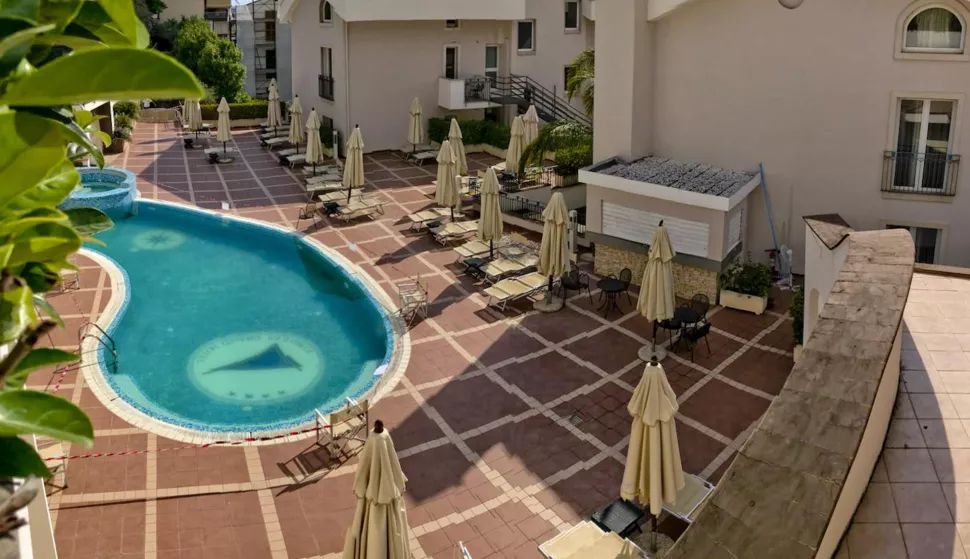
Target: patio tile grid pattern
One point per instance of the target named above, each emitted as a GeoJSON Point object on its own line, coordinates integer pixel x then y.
{"type": "Point", "coordinates": [511, 426]}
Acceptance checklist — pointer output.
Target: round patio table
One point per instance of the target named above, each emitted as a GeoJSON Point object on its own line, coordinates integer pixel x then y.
{"type": "Point", "coordinates": [611, 287]}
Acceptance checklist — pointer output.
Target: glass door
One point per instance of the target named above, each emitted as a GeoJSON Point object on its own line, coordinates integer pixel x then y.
{"type": "Point", "coordinates": [922, 143]}
{"type": "Point", "coordinates": [927, 242]}
{"type": "Point", "coordinates": [451, 62]}
{"type": "Point", "coordinates": [491, 63]}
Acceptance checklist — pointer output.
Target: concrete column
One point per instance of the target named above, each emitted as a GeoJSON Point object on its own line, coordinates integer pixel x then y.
{"type": "Point", "coordinates": [624, 80]}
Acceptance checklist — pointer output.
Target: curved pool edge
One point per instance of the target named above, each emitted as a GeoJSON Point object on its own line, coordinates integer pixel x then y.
{"type": "Point", "coordinates": [96, 376]}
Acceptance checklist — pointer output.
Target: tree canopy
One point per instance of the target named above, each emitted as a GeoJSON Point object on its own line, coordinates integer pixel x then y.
{"type": "Point", "coordinates": [215, 61]}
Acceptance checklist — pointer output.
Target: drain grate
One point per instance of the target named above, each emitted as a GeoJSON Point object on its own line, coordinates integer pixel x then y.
{"type": "Point", "coordinates": [577, 418]}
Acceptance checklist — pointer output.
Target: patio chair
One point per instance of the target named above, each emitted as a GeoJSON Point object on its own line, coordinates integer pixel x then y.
{"type": "Point", "coordinates": [575, 281]}
{"type": "Point", "coordinates": [694, 334]}
{"type": "Point", "coordinates": [70, 278]}
{"type": "Point", "coordinates": [335, 432]}
{"type": "Point", "coordinates": [413, 299]}
{"type": "Point", "coordinates": [626, 276]}
{"type": "Point", "coordinates": [49, 452]}
{"type": "Point", "coordinates": [309, 212]}
{"type": "Point", "coordinates": [700, 304]}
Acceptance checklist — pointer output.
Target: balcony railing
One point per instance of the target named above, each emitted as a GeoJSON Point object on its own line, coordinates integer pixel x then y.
{"type": "Point", "coordinates": [531, 210]}
{"type": "Point", "coordinates": [477, 88]}
{"type": "Point", "coordinates": [933, 173]}
{"type": "Point", "coordinates": [325, 87]}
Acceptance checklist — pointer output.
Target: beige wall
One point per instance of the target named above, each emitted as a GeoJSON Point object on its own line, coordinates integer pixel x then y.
{"type": "Point", "coordinates": [807, 91]}
{"type": "Point", "coordinates": [596, 195]}
{"type": "Point", "coordinates": [175, 9]}
{"type": "Point", "coordinates": [308, 36]}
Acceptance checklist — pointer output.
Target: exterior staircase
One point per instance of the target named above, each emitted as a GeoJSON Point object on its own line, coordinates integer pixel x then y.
{"type": "Point", "coordinates": [523, 91]}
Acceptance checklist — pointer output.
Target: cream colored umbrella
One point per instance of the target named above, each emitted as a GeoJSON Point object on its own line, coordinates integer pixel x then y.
{"type": "Point", "coordinates": [656, 300]}
{"type": "Point", "coordinates": [314, 149]}
{"type": "Point", "coordinates": [274, 115]}
{"type": "Point", "coordinates": [458, 146]}
{"type": "Point", "coordinates": [490, 218]}
{"type": "Point", "coordinates": [553, 254]}
{"type": "Point", "coordinates": [530, 124]}
{"type": "Point", "coordinates": [380, 526]}
{"type": "Point", "coordinates": [354, 165]}
{"type": "Point", "coordinates": [415, 129]}
{"type": "Point", "coordinates": [223, 128]}
{"type": "Point", "coordinates": [296, 123]}
{"type": "Point", "coordinates": [653, 473]}
{"type": "Point", "coordinates": [516, 145]}
{"type": "Point", "coordinates": [193, 116]}
{"type": "Point", "coordinates": [446, 189]}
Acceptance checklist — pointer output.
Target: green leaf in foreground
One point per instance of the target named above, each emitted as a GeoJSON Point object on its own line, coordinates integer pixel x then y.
{"type": "Point", "coordinates": [30, 147]}
{"type": "Point", "coordinates": [49, 310]}
{"type": "Point", "coordinates": [37, 359]}
{"type": "Point", "coordinates": [74, 133]}
{"type": "Point", "coordinates": [19, 459]}
{"type": "Point", "coordinates": [88, 221]}
{"type": "Point", "coordinates": [46, 193]}
{"type": "Point", "coordinates": [25, 412]}
{"type": "Point", "coordinates": [17, 35]}
{"type": "Point", "coordinates": [117, 74]}
{"type": "Point", "coordinates": [17, 310]}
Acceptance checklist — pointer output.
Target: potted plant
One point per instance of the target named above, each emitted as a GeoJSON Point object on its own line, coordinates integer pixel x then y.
{"type": "Point", "coordinates": [797, 313]}
{"type": "Point", "coordinates": [745, 286]}
{"type": "Point", "coordinates": [568, 163]}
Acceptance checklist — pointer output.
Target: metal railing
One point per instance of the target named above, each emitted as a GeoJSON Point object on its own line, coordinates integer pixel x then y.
{"type": "Point", "coordinates": [548, 104]}
{"type": "Point", "coordinates": [478, 89]}
{"type": "Point", "coordinates": [933, 173]}
{"type": "Point", "coordinates": [325, 86]}
{"type": "Point", "coordinates": [529, 210]}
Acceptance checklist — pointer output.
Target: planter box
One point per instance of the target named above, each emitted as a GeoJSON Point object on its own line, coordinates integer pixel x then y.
{"type": "Point", "coordinates": [741, 302]}
{"type": "Point", "coordinates": [569, 180]}
{"type": "Point", "coordinates": [117, 146]}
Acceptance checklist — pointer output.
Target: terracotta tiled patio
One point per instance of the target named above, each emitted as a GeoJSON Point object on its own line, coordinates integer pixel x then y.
{"type": "Point", "coordinates": [510, 426]}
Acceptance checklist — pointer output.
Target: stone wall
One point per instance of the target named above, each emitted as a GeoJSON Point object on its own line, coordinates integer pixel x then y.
{"type": "Point", "coordinates": [688, 280]}
{"type": "Point", "coordinates": [156, 115]}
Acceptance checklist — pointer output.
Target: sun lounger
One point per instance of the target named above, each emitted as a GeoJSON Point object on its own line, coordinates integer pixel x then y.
{"type": "Point", "coordinates": [472, 249]}
{"type": "Point", "coordinates": [346, 214]}
{"type": "Point", "coordinates": [217, 155]}
{"type": "Point", "coordinates": [689, 499]}
{"type": "Point", "coordinates": [421, 157]}
{"type": "Point", "coordinates": [276, 142]}
{"type": "Point", "coordinates": [506, 291]}
{"type": "Point", "coordinates": [424, 217]}
{"type": "Point", "coordinates": [454, 231]}
{"type": "Point", "coordinates": [587, 541]}
{"type": "Point", "coordinates": [296, 159]}
{"type": "Point", "coordinates": [501, 268]}
{"type": "Point", "coordinates": [364, 204]}
{"type": "Point", "coordinates": [340, 196]}
{"type": "Point", "coordinates": [265, 125]}
{"type": "Point", "coordinates": [325, 187]}
{"type": "Point", "coordinates": [499, 167]}
{"type": "Point", "coordinates": [310, 171]}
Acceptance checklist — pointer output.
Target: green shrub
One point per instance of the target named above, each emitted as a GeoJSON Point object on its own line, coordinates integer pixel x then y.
{"type": "Point", "coordinates": [122, 121]}
{"type": "Point", "coordinates": [123, 134]}
{"type": "Point", "coordinates": [239, 111]}
{"type": "Point", "coordinates": [472, 132]}
{"type": "Point", "coordinates": [570, 160]}
{"type": "Point", "coordinates": [797, 313]}
{"type": "Point", "coordinates": [128, 108]}
{"type": "Point", "coordinates": [748, 278]}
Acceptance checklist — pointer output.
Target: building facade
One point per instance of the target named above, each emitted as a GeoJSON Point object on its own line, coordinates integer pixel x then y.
{"type": "Point", "coordinates": [852, 107]}
{"type": "Point", "coordinates": [363, 62]}
{"type": "Point", "coordinates": [218, 13]}
{"type": "Point", "coordinates": [266, 47]}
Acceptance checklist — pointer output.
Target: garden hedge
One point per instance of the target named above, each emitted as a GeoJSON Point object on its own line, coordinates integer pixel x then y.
{"type": "Point", "coordinates": [239, 111]}
{"type": "Point", "coordinates": [472, 132]}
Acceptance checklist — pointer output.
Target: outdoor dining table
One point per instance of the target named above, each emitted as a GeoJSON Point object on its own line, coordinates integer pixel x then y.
{"type": "Point", "coordinates": [611, 287]}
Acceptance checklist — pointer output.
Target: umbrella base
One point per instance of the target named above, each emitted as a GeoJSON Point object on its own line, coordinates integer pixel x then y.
{"type": "Point", "coordinates": [645, 542]}
{"type": "Point", "coordinates": [648, 351]}
{"type": "Point", "coordinates": [549, 303]}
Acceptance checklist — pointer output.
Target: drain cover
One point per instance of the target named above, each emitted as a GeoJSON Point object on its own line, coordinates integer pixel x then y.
{"type": "Point", "coordinates": [576, 418]}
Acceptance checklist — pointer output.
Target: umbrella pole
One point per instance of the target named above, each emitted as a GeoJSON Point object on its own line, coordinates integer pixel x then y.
{"type": "Point", "coordinates": [653, 544]}
{"type": "Point", "coordinates": [491, 250]}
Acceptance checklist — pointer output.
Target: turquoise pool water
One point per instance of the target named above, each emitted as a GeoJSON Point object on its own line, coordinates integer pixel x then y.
{"type": "Point", "coordinates": [235, 327]}
{"type": "Point", "coordinates": [96, 187]}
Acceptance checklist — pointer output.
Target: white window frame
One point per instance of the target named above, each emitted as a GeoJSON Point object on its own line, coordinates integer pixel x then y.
{"type": "Point", "coordinates": [325, 50]}
{"type": "Point", "coordinates": [323, 10]}
{"type": "Point", "coordinates": [444, 60]}
{"type": "Point", "coordinates": [902, 52]}
{"type": "Point", "coordinates": [941, 235]}
{"type": "Point", "coordinates": [456, 26]}
{"type": "Point", "coordinates": [953, 145]}
{"type": "Point", "coordinates": [579, 16]}
{"type": "Point", "coordinates": [518, 24]}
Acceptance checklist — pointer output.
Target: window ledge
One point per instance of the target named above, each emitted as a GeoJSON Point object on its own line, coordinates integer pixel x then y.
{"type": "Point", "coordinates": [913, 197]}
{"type": "Point", "coordinates": [529, 52]}
{"type": "Point", "coordinates": [575, 31]}
{"type": "Point", "coordinates": [937, 56]}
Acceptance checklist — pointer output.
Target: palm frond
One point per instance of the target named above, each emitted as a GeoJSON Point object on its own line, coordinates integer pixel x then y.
{"type": "Point", "coordinates": [582, 72]}
{"type": "Point", "coordinates": [559, 135]}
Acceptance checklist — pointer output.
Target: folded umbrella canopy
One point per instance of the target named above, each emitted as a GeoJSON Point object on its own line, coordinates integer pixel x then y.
{"type": "Point", "coordinates": [296, 123]}
{"type": "Point", "coordinates": [274, 115]}
{"type": "Point", "coordinates": [415, 131]}
{"type": "Point", "coordinates": [516, 145]}
{"type": "Point", "coordinates": [530, 125]}
{"type": "Point", "coordinates": [553, 253]}
{"type": "Point", "coordinates": [446, 190]}
{"type": "Point", "coordinates": [314, 149]}
{"type": "Point", "coordinates": [490, 217]}
{"type": "Point", "coordinates": [458, 146]}
{"type": "Point", "coordinates": [224, 128]}
{"type": "Point", "coordinates": [656, 300]}
{"type": "Point", "coordinates": [354, 165]}
{"type": "Point", "coordinates": [380, 526]}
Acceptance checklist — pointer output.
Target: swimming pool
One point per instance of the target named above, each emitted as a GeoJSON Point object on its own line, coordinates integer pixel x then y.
{"type": "Point", "coordinates": [234, 327]}
{"type": "Point", "coordinates": [95, 187]}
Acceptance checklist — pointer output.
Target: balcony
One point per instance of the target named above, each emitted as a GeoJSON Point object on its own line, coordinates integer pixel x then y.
{"type": "Point", "coordinates": [414, 10]}
{"type": "Point", "coordinates": [325, 87]}
{"type": "Point", "coordinates": [465, 93]}
{"type": "Point", "coordinates": [933, 173]}
{"type": "Point", "coordinates": [216, 14]}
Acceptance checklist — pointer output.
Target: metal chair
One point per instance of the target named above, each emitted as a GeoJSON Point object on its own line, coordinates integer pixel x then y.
{"type": "Point", "coordinates": [309, 212]}
{"type": "Point", "coordinates": [695, 334]}
{"type": "Point", "coordinates": [575, 281]}
{"type": "Point", "coordinates": [700, 304]}
{"type": "Point", "coordinates": [626, 276]}
{"type": "Point", "coordinates": [413, 299]}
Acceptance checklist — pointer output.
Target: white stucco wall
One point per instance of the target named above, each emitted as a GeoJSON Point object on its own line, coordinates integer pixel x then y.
{"type": "Point", "coordinates": [822, 267]}
{"type": "Point", "coordinates": [307, 36]}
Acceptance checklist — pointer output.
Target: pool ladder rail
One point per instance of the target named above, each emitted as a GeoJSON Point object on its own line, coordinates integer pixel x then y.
{"type": "Point", "coordinates": [91, 330]}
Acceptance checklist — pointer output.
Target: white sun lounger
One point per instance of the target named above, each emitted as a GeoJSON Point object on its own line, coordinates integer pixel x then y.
{"type": "Point", "coordinates": [345, 214]}
{"type": "Point", "coordinates": [276, 142]}
{"type": "Point", "coordinates": [364, 204]}
{"type": "Point", "coordinates": [472, 249]}
{"type": "Point", "coordinates": [454, 231]}
{"type": "Point", "coordinates": [265, 125]}
{"type": "Point", "coordinates": [500, 268]}
{"type": "Point", "coordinates": [587, 541]}
{"type": "Point", "coordinates": [419, 219]}
{"type": "Point", "coordinates": [322, 187]}
{"type": "Point", "coordinates": [499, 167]}
{"type": "Point", "coordinates": [280, 133]}
{"type": "Point", "coordinates": [421, 157]}
{"type": "Point", "coordinates": [340, 196]}
{"type": "Point", "coordinates": [506, 291]}
{"type": "Point", "coordinates": [310, 171]}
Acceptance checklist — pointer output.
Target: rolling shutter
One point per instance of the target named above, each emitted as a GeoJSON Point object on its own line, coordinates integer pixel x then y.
{"type": "Point", "coordinates": [687, 237]}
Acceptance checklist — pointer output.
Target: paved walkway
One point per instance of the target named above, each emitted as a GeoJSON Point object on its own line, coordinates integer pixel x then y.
{"type": "Point", "coordinates": [510, 426]}
{"type": "Point", "coordinates": [917, 505]}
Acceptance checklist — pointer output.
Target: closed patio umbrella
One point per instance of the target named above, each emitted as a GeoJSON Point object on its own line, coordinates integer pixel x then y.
{"type": "Point", "coordinates": [656, 300]}
{"type": "Point", "coordinates": [193, 116]}
{"type": "Point", "coordinates": [490, 219]}
{"type": "Point", "coordinates": [415, 128]}
{"type": "Point", "coordinates": [274, 115]}
{"type": "Point", "coordinates": [296, 123]}
{"type": "Point", "coordinates": [458, 146]}
{"type": "Point", "coordinates": [653, 473]}
{"type": "Point", "coordinates": [354, 165]}
{"type": "Point", "coordinates": [530, 124]}
{"type": "Point", "coordinates": [553, 254]}
{"type": "Point", "coordinates": [380, 526]}
{"type": "Point", "coordinates": [223, 129]}
{"type": "Point", "coordinates": [314, 149]}
{"type": "Point", "coordinates": [446, 190]}
{"type": "Point", "coordinates": [516, 146]}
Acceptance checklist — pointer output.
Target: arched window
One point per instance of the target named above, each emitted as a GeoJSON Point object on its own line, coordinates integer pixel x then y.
{"type": "Point", "coordinates": [934, 29]}
{"type": "Point", "coordinates": [326, 12]}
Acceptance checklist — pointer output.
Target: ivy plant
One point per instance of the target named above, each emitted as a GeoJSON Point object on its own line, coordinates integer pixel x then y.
{"type": "Point", "coordinates": [55, 57]}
